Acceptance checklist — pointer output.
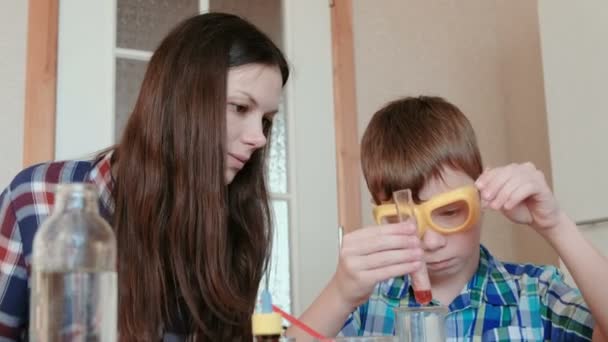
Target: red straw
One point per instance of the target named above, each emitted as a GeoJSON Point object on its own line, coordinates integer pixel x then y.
{"type": "Point", "coordinates": [298, 323]}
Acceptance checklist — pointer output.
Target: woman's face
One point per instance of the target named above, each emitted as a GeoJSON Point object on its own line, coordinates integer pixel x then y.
{"type": "Point", "coordinates": [253, 95]}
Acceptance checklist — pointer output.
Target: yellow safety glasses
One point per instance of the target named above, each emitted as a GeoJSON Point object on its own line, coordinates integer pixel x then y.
{"type": "Point", "coordinates": [447, 213]}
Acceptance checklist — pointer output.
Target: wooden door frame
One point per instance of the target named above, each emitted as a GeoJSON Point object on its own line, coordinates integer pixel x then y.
{"type": "Point", "coordinates": [345, 106]}
{"type": "Point", "coordinates": [41, 82]}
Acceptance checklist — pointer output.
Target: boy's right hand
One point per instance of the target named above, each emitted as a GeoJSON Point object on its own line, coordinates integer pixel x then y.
{"type": "Point", "coordinates": [374, 254]}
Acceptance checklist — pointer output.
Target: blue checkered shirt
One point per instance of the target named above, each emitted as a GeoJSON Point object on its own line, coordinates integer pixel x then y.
{"type": "Point", "coordinates": [501, 302]}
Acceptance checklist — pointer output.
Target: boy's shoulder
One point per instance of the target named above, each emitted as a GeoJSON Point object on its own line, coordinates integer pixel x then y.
{"type": "Point", "coordinates": [517, 280]}
{"type": "Point", "coordinates": [538, 279]}
{"type": "Point", "coordinates": [519, 270]}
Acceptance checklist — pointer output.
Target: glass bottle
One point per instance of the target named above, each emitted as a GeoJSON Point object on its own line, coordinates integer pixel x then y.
{"type": "Point", "coordinates": [74, 282]}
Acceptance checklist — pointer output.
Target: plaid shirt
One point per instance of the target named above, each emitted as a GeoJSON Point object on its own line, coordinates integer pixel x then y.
{"type": "Point", "coordinates": [27, 202]}
{"type": "Point", "coordinates": [501, 302]}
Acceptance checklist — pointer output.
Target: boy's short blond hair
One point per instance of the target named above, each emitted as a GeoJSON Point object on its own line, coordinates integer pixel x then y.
{"type": "Point", "coordinates": [411, 140]}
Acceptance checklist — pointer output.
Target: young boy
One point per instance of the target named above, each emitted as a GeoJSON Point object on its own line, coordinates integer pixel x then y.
{"type": "Point", "coordinates": [427, 145]}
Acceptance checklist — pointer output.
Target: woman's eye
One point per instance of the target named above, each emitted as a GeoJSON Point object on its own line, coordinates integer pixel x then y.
{"type": "Point", "coordinates": [239, 108]}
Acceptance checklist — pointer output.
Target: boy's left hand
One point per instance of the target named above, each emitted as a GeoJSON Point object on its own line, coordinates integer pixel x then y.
{"type": "Point", "coordinates": [521, 192]}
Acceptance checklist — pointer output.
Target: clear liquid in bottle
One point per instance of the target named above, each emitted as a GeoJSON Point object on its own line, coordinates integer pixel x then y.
{"type": "Point", "coordinates": [74, 282]}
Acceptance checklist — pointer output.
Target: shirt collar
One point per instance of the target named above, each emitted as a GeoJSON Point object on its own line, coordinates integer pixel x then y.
{"type": "Point", "coordinates": [491, 284]}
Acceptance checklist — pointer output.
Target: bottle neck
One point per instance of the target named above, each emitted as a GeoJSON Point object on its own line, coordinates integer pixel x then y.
{"type": "Point", "coordinates": [76, 197]}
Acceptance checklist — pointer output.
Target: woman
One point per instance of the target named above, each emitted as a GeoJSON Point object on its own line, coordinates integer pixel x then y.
{"type": "Point", "coordinates": [184, 189]}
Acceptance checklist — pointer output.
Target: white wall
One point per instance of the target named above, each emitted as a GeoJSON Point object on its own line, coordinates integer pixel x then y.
{"type": "Point", "coordinates": [85, 56]}
{"type": "Point", "coordinates": [575, 55]}
{"type": "Point", "coordinates": [13, 42]}
{"type": "Point", "coordinates": [524, 107]}
{"type": "Point", "coordinates": [575, 61]}
{"type": "Point", "coordinates": [314, 239]}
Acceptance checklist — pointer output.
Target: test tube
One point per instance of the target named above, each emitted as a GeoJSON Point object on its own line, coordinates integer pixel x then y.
{"type": "Point", "coordinates": [420, 279]}
{"type": "Point", "coordinates": [422, 286]}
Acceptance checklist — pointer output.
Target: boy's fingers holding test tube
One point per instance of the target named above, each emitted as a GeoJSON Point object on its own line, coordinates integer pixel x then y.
{"type": "Point", "coordinates": [381, 238]}
{"type": "Point", "coordinates": [374, 254]}
{"type": "Point", "coordinates": [392, 271]}
{"type": "Point", "coordinates": [390, 258]}
{"type": "Point", "coordinates": [388, 246]}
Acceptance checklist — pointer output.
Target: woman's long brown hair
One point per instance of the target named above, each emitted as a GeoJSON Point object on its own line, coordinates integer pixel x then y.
{"type": "Point", "coordinates": [190, 248]}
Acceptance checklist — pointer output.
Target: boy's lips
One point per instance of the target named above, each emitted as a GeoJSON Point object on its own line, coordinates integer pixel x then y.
{"type": "Point", "coordinates": [439, 264]}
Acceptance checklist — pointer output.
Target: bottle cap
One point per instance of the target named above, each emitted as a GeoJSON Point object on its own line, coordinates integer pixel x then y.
{"type": "Point", "coordinates": [266, 324]}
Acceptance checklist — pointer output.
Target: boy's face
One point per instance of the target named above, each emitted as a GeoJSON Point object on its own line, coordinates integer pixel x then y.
{"type": "Point", "coordinates": [454, 254]}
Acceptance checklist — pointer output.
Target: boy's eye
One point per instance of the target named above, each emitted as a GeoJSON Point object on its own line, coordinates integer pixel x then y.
{"type": "Point", "coordinates": [449, 212]}
{"type": "Point", "coordinates": [452, 215]}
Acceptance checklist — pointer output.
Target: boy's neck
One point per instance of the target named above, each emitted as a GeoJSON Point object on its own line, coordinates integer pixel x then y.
{"type": "Point", "coordinates": [446, 289]}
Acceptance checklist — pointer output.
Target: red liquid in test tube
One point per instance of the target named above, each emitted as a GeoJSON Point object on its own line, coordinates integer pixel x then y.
{"type": "Point", "coordinates": [423, 297]}
{"type": "Point", "coordinates": [422, 286]}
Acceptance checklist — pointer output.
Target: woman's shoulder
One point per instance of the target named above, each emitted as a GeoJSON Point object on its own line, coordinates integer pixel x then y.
{"type": "Point", "coordinates": [51, 173]}
{"type": "Point", "coordinates": [30, 193]}
{"type": "Point", "coordinates": [29, 198]}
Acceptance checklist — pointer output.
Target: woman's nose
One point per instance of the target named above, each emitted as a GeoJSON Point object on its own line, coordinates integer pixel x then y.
{"type": "Point", "coordinates": [254, 135]}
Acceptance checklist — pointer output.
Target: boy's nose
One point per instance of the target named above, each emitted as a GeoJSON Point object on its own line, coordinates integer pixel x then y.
{"type": "Point", "coordinates": [432, 241]}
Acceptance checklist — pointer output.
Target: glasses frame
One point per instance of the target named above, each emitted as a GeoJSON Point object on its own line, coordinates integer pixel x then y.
{"type": "Point", "coordinates": [423, 211]}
